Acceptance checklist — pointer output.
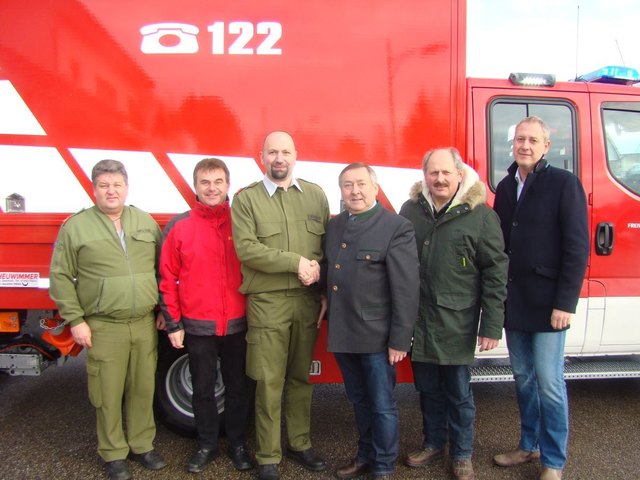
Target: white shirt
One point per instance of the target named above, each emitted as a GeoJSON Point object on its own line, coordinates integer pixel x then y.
{"type": "Point", "coordinates": [272, 187]}
{"type": "Point", "coordinates": [520, 184]}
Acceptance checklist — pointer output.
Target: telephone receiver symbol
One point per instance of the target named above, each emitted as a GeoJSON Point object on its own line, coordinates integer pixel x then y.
{"type": "Point", "coordinates": [169, 38]}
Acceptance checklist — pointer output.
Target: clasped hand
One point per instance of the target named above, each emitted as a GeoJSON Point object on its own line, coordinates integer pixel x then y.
{"type": "Point", "coordinates": [308, 271]}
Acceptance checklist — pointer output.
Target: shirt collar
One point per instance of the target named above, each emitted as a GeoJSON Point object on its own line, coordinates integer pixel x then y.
{"type": "Point", "coordinates": [519, 183]}
{"type": "Point", "coordinates": [366, 214]}
{"type": "Point", "coordinates": [272, 187]}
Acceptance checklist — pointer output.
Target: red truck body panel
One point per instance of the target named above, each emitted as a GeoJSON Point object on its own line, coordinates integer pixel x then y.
{"type": "Point", "coordinates": [160, 85]}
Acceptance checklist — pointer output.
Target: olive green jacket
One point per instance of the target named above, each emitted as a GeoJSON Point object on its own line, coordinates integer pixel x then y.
{"type": "Point", "coordinates": [463, 274]}
{"type": "Point", "coordinates": [92, 276]}
{"type": "Point", "coordinates": [272, 233]}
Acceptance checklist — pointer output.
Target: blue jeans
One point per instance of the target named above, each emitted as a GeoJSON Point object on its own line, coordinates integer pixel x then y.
{"type": "Point", "coordinates": [537, 360]}
{"type": "Point", "coordinates": [446, 402]}
{"type": "Point", "coordinates": [369, 381]}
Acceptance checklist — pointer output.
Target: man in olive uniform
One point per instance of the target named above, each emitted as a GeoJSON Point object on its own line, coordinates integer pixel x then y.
{"type": "Point", "coordinates": [278, 228]}
{"type": "Point", "coordinates": [103, 280]}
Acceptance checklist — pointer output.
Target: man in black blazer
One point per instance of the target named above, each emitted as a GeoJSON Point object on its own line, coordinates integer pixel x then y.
{"type": "Point", "coordinates": [372, 289]}
{"type": "Point", "coordinates": [543, 215]}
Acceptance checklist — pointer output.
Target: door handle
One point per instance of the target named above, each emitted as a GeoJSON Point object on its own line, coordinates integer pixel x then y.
{"type": "Point", "coordinates": [604, 238]}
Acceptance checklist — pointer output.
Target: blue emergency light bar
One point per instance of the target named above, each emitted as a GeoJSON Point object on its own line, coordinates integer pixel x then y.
{"type": "Point", "coordinates": [612, 74]}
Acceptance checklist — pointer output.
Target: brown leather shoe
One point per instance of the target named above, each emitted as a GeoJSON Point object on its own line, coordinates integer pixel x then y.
{"type": "Point", "coordinates": [463, 469]}
{"type": "Point", "coordinates": [424, 457]}
{"type": "Point", "coordinates": [515, 457]}
{"type": "Point", "coordinates": [353, 469]}
{"type": "Point", "coordinates": [550, 474]}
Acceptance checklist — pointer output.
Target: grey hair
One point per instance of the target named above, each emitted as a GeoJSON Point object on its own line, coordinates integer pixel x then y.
{"type": "Point", "coordinates": [353, 166]}
{"type": "Point", "coordinates": [108, 166]}
{"type": "Point", "coordinates": [546, 131]}
{"type": "Point", "coordinates": [457, 158]}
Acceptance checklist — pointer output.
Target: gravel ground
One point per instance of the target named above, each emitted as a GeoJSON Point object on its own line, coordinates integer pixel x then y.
{"type": "Point", "coordinates": [47, 432]}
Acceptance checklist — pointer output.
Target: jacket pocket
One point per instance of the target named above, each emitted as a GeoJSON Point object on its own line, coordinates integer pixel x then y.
{"type": "Point", "coordinates": [99, 297]}
{"type": "Point", "coordinates": [115, 297]}
{"type": "Point", "coordinates": [315, 231]}
{"type": "Point", "coordinates": [369, 255]}
{"type": "Point", "coordinates": [462, 260]}
{"type": "Point", "coordinates": [94, 384]}
{"type": "Point", "coordinates": [543, 286]}
{"type": "Point", "coordinates": [144, 236]}
{"type": "Point", "coordinates": [119, 297]}
{"type": "Point", "coordinates": [315, 227]}
{"type": "Point", "coordinates": [375, 312]}
{"type": "Point", "coordinates": [456, 301]}
{"type": "Point", "coordinates": [268, 229]}
{"type": "Point", "coordinates": [269, 233]}
{"type": "Point", "coordinates": [546, 271]}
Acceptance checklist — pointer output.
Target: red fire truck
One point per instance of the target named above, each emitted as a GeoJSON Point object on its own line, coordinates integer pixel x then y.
{"type": "Point", "coordinates": [160, 85]}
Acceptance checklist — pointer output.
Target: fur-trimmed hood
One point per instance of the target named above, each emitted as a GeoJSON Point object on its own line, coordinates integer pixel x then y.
{"type": "Point", "coordinates": [472, 191]}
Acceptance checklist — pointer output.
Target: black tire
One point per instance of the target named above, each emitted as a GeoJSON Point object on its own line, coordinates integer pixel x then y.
{"type": "Point", "coordinates": [172, 402]}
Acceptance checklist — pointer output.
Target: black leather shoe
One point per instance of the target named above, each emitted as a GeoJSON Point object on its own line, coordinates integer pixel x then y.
{"type": "Point", "coordinates": [308, 459]}
{"type": "Point", "coordinates": [117, 470]}
{"type": "Point", "coordinates": [240, 457]}
{"type": "Point", "coordinates": [200, 459]}
{"type": "Point", "coordinates": [268, 472]}
{"type": "Point", "coordinates": [151, 459]}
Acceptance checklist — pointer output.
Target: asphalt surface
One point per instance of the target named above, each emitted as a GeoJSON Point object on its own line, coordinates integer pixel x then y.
{"type": "Point", "coordinates": [47, 431]}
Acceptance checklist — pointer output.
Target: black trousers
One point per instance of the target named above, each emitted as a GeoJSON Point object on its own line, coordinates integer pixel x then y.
{"type": "Point", "coordinates": [204, 352]}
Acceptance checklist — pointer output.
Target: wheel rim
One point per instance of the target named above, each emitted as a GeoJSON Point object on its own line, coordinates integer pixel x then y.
{"type": "Point", "coordinates": [180, 390]}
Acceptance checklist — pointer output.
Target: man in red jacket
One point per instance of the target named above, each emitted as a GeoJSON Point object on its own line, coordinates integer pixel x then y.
{"type": "Point", "coordinates": [204, 312]}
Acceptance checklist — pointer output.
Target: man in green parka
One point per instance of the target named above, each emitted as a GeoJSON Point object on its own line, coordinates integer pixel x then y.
{"type": "Point", "coordinates": [463, 275]}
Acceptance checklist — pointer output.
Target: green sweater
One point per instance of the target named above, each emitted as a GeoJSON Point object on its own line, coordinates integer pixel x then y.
{"type": "Point", "coordinates": [92, 276]}
{"type": "Point", "coordinates": [272, 233]}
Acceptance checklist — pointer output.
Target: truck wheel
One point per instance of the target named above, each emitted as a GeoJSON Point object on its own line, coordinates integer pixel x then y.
{"type": "Point", "coordinates": [173, 390]}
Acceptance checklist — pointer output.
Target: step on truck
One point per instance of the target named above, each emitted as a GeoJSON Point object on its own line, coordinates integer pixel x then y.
{"type": "Point", "coordinates": [377, 81]}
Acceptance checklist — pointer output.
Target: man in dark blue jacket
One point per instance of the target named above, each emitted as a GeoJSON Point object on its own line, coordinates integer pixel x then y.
{"type": "Point", "coordinates": [372, 288]}
{"type": "Point", "coordinates": [543, 215]}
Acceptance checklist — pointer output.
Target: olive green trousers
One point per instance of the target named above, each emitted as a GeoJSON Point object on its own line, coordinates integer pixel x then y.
{"type": "Point", "coordinates": [280, 341]}
{"type": "Point", "coordinates": [121, 364]}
